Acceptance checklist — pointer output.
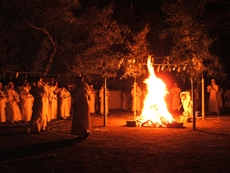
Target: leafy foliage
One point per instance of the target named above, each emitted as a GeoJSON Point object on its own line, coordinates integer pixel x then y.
{"type": "Point", "coordinates": [136, 59]}
{"type": "Point", "coordinates": [192, 43]}
{"type": "Point", "coordinates": [100, 53]}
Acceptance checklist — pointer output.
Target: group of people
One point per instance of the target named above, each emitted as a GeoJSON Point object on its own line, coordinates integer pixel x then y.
{"type": "Point", "coordinates": [45, 98]}
{"type": "Point", "coordinates": [40, 102]}
{"type": "Point", "coordinates": [215, 102]}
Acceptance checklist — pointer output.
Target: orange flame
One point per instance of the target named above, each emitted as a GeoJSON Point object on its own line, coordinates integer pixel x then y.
{"type": "Point", "coordinates": [155, 110]}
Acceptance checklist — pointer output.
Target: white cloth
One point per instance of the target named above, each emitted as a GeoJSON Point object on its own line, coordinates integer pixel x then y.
{"type": "Point", "coordinates": [26, 103]}
{"type": "Point", "coordinates": [102, 96]}
{"type": "Point", "coordinates": [53, 103]}
{"type": "Point", "coordinates": [12, 109]}
{"type": "Point", "coordinates": [92, 100]}
{"type": "Point", "coordinates": [138, 99]}
{"type": "Point", "coordinates": [175, 98]}
{"type": "Point", "coordinates": [213, 103]}
{"type": "Point", "coordinates": [187, 103]}
{"type": "Point", "coordinates": [2, 107]}
{"type": "Point", "coordinates": [64, 95]}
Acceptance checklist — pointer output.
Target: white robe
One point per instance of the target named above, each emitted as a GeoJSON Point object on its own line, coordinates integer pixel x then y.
{"type": "Point", "coordinates": [26, 104]}
{"type": "Point", "coordinates": [2, 107]}
{"type": "Point", "coordinates": [92, 101]}
{"type": "Point", "coordinates": [213, 103]}
{"type": "Point", "coordinates": [175, 98]}
{"type": "Point", "coordinates": [64, 95]}
{"type": "Point", "coordinates": [102, 96]}
{"type": "Point", "coordinates": [138, 99]}
{"type": "Point", "coordinates": [187, 103]}
{"type": "Point", "coordinates": [12, 109]}
{"type": "Point", "coordinates": [53, 103]}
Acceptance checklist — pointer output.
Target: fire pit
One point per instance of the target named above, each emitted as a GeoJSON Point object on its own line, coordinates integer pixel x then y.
{"type": "Point", "coordinates": [175, 125]}
{"type": "Point", "coordinates": [135, 123]}
{"type": "Point", "coordinates": [131, 123]}
{"type": "Point", "coordinates": [155, 111]}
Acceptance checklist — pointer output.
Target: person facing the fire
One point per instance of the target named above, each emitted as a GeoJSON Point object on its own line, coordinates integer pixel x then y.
{"type": "Point", "coordinates": [138, 98]}
{"type": "Point", "coordinates": [175, 91]}
{"type": "Point", "coordinates": [81, 123]}
{"type": "Point", "coordinates": [213, 102]}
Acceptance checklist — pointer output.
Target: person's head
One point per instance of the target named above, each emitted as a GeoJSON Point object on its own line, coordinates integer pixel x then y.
{"type": "Point", "coordinates": [11, 85]}
{"type": "Point", "coordinates": [213, 81]}
{"type": "Point", "coordinates": [91, 86]}
{"type": "Point", "coordinates": [175, 85]}
{"type": "Point", "coordinates": [136, 84]}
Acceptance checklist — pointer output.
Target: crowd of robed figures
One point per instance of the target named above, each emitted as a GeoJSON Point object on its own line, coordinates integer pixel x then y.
{"type": "Point", "coordinates": [42, 102]}
{"type": "Point", "coordinates": [19, 105]}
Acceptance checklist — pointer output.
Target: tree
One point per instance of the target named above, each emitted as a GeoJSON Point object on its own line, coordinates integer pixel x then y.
{"type": "Point", "coordinates": [191, 48]}
{"type": "Point", "coordinates": [136, 59]}
{"type": "Point", "coordinates": [34, 33]}
{"type": "Point", "coordinates": [100, 52]}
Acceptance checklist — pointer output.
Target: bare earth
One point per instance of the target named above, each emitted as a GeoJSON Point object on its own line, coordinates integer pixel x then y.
{"type": "Point", "coordinates": [117, 147]}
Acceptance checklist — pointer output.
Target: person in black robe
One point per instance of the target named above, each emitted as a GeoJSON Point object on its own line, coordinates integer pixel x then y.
{"type": "Point", "coordinates": [81, 122]}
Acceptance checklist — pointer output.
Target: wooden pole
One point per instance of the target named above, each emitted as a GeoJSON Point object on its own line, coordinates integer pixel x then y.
{"type": "Point", "coordinates": [134, 99]}
{"type": "Point", "coordinates": [193, 104]}
{"type": "Point", "coordinates": [105, 104]}
{"type": "Point", "coordinates": [202, 99]}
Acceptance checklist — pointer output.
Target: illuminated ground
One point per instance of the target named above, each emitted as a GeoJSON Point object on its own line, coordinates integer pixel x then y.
{"type": "Point", "coordinates": [118, 148]}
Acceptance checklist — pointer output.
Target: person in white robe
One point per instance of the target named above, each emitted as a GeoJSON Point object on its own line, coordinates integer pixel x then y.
{"type": "Point", "coordinates": [138, 98]}
{"type": "Point", "coordinates": [64, 96]}
{"type": "Point", "coordinates": [213, 102]}
{"type": "Point", "coordinates": [2, 105]}
{"type": "Point", "coordinates": [26, 102]}
{"type": "Point", "coordinates": [104, 104]}
{"type": "Point", "coordinates": [53, 101]}
{"type": "Point", "coordinates": [187, 105]}
{"type": "Point", "coordinates": [175, 91]}
{"type": "Point", "coordinates": [92, 95]}
{"type": "Point", "coordinates": [12, 109]}
{"type": "Point", "coordinates": [40, 108]}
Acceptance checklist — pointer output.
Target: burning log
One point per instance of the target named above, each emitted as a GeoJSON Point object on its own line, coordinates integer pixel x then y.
{"type": "Point", "coordinates": [175, 125]}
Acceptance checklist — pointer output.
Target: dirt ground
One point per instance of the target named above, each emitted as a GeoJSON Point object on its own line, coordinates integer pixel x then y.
{"type": "Point", "coordinates": [117, 147]}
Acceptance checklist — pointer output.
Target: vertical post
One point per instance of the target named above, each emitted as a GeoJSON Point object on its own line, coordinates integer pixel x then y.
{"type": "Point", "coordinates": [134, 99]}
{"type": "Point", "coordinates": [202, 99]}
{"type": "Point", "coordinates": [193, 104]}
{"type": "Point", "coordinates": [105, 104]}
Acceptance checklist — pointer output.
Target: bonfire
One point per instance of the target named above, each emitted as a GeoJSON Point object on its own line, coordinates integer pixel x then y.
{"type": "Point", "coordinates": [155, 111]}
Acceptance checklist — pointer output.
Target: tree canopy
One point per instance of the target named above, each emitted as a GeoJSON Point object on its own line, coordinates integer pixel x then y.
{"type": "Point", "coordinates": [104, 38]}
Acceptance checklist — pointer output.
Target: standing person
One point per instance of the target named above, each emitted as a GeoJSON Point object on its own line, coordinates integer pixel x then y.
{"type": "Point", "coordinates": [81, 123]}
{"type": "Point", "coordinates": [126, 101]}
{"type": "Point", "coordinates": [175, 91]}
{"type": "Point", "coordinates": [92, 95]}
{"type": "Point", "coordinates": [213, 102]}
{"type": "Point", "coordinates": [40, 107]}
{"type": "Point", "coordinates": [64, 96]}
{"type": "Point", "coordinates": [2, 105]}
{"type": "Point", "coordinates": [53, 101]}
{"type": "Point", "coordinates": [138, 98]}
{"type": "Point", "coordinates": [102, 97]}
{"type": "Point", "coordinates": [12, 109]}
{"type": "Point", "coordinates": [27, 101]}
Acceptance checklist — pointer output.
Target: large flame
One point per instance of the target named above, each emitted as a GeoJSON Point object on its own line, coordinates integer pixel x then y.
{"type": "Point", "coordinates": [155, 109]}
